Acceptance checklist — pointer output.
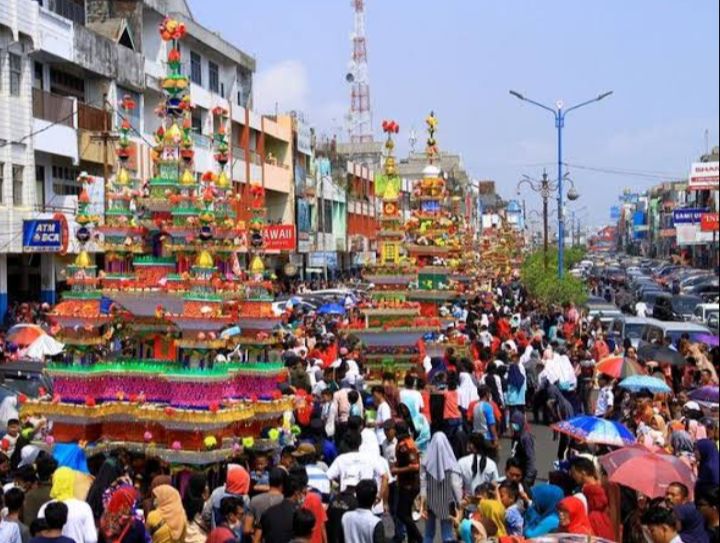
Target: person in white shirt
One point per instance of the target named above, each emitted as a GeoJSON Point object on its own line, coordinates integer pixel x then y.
{"type": "Point", "coordinates": [411, 397]}
{"type": "Point", "coordinates": [641, 309]}
{"type": "Point", "coordinates": [477, 468]}
{"type": "Point", "coordinates": [350, 468]}
{"type": "Point", "coordinates": [606, 398]}
{"type": "Point", "coordinates": [383, 412]}
{"type": "Point", "coordinates": [80, 525]}
{"type": "Point", "coordinates": [362, 525]}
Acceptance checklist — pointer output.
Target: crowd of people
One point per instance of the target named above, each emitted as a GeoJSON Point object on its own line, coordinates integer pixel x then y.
{"type": "Point", "coordinates": [446, 449]}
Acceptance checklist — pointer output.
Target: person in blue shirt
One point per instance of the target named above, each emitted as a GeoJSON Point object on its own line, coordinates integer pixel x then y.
{"type": "Point", "coordinates": [541, 517]}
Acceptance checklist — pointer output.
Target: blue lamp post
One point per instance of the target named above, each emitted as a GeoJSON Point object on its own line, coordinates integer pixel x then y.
{"type": "Point", "coordinates": [559, 113]}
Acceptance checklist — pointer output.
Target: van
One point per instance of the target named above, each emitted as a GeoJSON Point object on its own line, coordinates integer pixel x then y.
{"type": "Point", "coordinates": [629, 327]}
{"type": "Point", "coordinates": [702, 311]}
{"type": "Point", "coordinates": [656, 331]}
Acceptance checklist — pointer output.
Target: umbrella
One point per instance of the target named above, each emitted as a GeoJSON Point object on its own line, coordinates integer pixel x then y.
{"type": "Point", "coordinates": [595, 430]}
{"type": "Point", "coordinates": [708, 339]}
{"type": "Point", "coordinates": [619, 367]}
{"type": "Point", "coordinates": [707, 394]}
{"type": "Point", "coordinates": [636, 383]}
{"type": "Point", "coordinates": [331, 309]}
{"type": "Point", "coordinates": [647, 472]}
{"type": "Point", "coordinates": [661, 354]}
{"type": "Point", "coordinates": [44, 346]}
{"type": "Point", "coordinates": [24, 334]}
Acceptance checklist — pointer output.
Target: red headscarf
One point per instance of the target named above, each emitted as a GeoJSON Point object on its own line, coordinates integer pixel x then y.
{"type": "Point", "coordinates": [579, 521]}
{"type": "Point", "coordinates": [238, 480]}
{"type": "Point", "coordinates": [598, 511]}
{"type": "Point", "coordinates": [118, 515]}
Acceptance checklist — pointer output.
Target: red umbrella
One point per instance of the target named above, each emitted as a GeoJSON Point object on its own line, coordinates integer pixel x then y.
{"type": "Point", "coordinates": [24, 334]}
{"type": "Point", "coordinates": [647, 472]}
{"type": "Point", "coordinates": [619, 367]}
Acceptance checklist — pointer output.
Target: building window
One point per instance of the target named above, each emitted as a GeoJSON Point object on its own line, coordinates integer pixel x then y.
{"type": "Point", "coordinates": [326, 217]}
{"type": "Point", "coordinates": [17, 181]}
{"type": "Point", "coordinates": [38, 81]}
{"type": "Point", "coordinates": [40, 185]}
{"type": "Point", "coordinates": [66, 84]}
{"type": "Point", "coordinates": [195, 68]}
{"type": "Point", "coordinates": [197, 122]}
{"type": "Point", "coordinates": [213, 76]}
{"type": "Point", "coordinates": [133, 115]}
{"type": "Point", "coordinates": [2, 182]}
{"type": "Point", "coordinates": [65, 181]}
{"type": "Point", "coordinates": [15, 74]}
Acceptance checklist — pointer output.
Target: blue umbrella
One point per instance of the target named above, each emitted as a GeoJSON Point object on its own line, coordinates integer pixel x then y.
{"type": "Point", "coordinates": [636, 383]}
{"type": "Point", "coordinates": [596, 430]}
{"type": "Point", "coordinates": [230, 332]}
{"type": "Point", "coordinates": [331, 309]}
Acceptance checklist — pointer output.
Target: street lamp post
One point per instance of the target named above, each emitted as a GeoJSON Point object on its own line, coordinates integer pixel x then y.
{"type": "Point", "coordinates": [559, 113]}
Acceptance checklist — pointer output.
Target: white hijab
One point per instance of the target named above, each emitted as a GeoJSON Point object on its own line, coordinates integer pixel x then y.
{"type": "Point", "coordinates": [440, 458]}
{"type": "Point", "coordinates": [8, 410]}
{"type": "Point", "coordinates": [467, 391]}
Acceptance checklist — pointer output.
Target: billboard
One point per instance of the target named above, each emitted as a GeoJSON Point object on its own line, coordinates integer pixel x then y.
{"type": "Point", "coordinates": [703, 176]}
{"type": "Point", "coordinates": [279, 237]}
{"type": "Point", "coordinates": [615, 213]}
{"type": "Point", "coordinates": [691, 234]}
{"type": "Point", "coordinates": [710, 222]}
{"type": "Point", "coordinates": [688, 215]}
{"type": "Point", "coordinates": [45, 235]}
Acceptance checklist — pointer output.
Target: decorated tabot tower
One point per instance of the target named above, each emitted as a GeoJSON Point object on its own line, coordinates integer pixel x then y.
{"type": "Point", "coordinates": [393, 325]}
{"type": "Point", "coordinates": [142, 367]}
{"type": "Point", "coordinates": [433, 232]}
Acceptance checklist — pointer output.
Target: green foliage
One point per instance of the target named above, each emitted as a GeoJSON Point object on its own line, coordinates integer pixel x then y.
{"type": "Point", "coordinates": [543, 284]}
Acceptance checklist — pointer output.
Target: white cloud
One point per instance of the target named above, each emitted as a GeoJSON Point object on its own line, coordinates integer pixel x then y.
{"type": "Point", "coordinates": [285, 84]}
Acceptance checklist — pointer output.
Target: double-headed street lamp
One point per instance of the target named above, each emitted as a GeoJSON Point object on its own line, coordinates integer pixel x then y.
{"type": "Point", "coordinates": [545, 188]}
{"type": "Point", "coordinates": [559, 113]}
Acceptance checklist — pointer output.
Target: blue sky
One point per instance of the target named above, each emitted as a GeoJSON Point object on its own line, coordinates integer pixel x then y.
{"type": "Point", "coordinates": [460, 58]}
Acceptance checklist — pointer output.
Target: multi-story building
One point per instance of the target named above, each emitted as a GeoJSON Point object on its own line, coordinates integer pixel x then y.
{"type": "Point", "coordinates": [64, 65]}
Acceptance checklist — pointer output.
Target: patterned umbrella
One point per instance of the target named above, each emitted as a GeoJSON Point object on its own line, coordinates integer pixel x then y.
{"type": "Point", "coordinates": [619, 367]}
{"type": "Point", "coordinates": [636, 383]}
{"type": "Point", "coordinates": [647, 472]}
{"type": "Point", "coordinates": [595, 430]}
{"type": "Point", "coordinates": [24, 334]}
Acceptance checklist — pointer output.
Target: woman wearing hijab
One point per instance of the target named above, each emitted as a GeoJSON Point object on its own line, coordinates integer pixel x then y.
{"type": "Point", "coordinates": [573, 517]}
{"type": "Point", "coordinates": [516, 386]}
{"type": "Point", "coordinates": [193, 502]}
{"type": "Point", "coordinates": [467, 391]}
{"type": "Point", "coordinates": [118, 523]}
{"type": "Point", "coordinates": [418, 426]}
{"type": "Point", "coordinates": [156, 481]}
{"type": "Point", "coordinates": [683, 447]}
{"type": "Point", "coordinates": [523, 447]}
{"type": "Point", "coordinates": [440, 488]}
{"type": "Point", "coordinates": [598, 511]}
{"type": "Point", "coordinates": [708, 459]}
{"type": "Point", "coordinates": [692, 524]}
{"type": "Point", "coordinates": [167, 522]}
{"type": "Point", "coordinates": [541, 517]}
{"type": "Point", "coordinates": [28, 455]}
{"type": "Point", "coordinates": [494, 511]}
{"type": "Point", "coordinates": [472, 531]}
{"type": "Point", "coordinates": [110, 471]}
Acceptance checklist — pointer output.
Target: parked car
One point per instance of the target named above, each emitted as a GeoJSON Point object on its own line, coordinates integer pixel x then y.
{"type": "Point", "coordinates": [675, 308]}
{"type": "Point", "coordinates": [628, 327]}
{"type": "Point", "coordinates": [713, 322]}
{"type": "Point", "coordinates": [702, 311]}
{"type": "Point", "coordinates": [709, 286]}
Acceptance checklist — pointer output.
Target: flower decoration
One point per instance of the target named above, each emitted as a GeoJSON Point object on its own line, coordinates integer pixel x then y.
{"type": "Point", "coordinates": [172, 29]}
{"type": "Point", "coordinates": [248, 442]}
{"type": "Point", "coordinates": [390, 127]}
{"type": "Point", "coordinates": [148, 436]}
{"type": "Point", "coordinates": [128, 103]}
{"type": "Point", "coordinates": [176, 446]}
{"type": "Point", "coordinates": [210, 442]}
{"type": "Point", "coordinates": [274, 434]}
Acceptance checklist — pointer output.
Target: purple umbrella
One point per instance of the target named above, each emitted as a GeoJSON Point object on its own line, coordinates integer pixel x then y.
{"type": "Point", "coordinates": [707, 394]}
{"type": "Point", "coordinates": [708, 339]}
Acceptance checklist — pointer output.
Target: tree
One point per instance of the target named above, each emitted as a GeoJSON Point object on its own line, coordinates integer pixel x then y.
{"type": "Point", "coordinates": [545, 287]}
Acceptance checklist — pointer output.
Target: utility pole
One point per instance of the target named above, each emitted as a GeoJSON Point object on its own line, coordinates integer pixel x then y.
{"type": "Point", "coordinates": [545, 193]}
{"type": "Point", "coordinates": [105, 137]}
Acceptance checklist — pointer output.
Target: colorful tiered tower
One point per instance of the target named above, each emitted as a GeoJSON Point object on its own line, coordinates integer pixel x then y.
{"type": "Point", "coordinates": [142, 368]}
{"type": "Point", "coordinates": [433, 232]}
{"type": "Point", "coordinates": [393, 325]}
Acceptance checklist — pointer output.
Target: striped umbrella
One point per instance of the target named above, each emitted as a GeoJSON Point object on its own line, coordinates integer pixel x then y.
{"type": "Point", "coordinates": [619, 367]}
{"type": "Point", "coordinates": [595, 430]}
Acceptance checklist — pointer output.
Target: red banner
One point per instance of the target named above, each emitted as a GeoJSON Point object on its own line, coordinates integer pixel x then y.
{"type": "Point", "coordinates": [279, 237]}
{"type": "Point", "coordinates": [710, 222]}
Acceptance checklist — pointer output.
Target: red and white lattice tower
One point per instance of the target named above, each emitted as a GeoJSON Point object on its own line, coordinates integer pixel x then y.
{"type": "Point", "coordinates": [360, 117]}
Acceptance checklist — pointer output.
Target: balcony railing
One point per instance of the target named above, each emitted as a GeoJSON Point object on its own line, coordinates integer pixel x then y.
{"type": "Point", "coordinates": [92, 118]}
{"type": "Point", "coordinates": [70, 9]}
{"type": "Point", "coordinates": [53, 108]}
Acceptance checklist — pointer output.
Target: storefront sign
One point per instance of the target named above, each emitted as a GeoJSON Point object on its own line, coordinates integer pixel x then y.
{"type": "Point", "coordinates": [279, 237]}
{"type": "Point", "coordinates": [688, 216]}
{"type": "Point", "coordinates": [710, 222]}
{"type": "Point", "coordinates": [44, 235]}
{"type": "Point", "coordinates": [690, 234]}
{"type": "Point", "coordinates": [304, 138]}
{"type": "Point", "coordinates": [323, 259]}
{"type": "Point", "coordinates": [704, 176]}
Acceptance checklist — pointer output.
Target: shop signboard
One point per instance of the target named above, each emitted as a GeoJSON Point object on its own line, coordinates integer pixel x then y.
{"type": "Point", "coordinates": [704, 176]}
{"type": "Point", "coordinates": [304, 138]}
{"type": "Point", "coordinates": [710, 222]}
{"type": "Point", "coordinates": [279, 237]}
{"type": "Point", "coordinates": [691, 234]}
{"type": "Point", "coordinates": [322, 259]}
{"type": "Point", "coordinates": [44, 235]}
{"type": "Point", "coordinates": [688, 215]}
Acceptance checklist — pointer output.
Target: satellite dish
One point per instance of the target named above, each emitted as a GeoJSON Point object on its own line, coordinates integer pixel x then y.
{"type": "Point", "coordinates": [350, 78]}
